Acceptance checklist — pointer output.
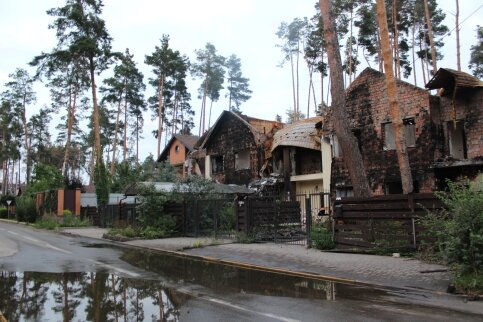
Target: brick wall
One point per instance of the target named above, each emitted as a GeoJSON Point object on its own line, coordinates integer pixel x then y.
{"type": "Point", "coordinates": [468, 108]}
{"type": "Point", "coordinates": [368, 109]}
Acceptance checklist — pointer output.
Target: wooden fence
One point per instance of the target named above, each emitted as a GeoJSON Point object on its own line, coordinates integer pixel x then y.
{"type": "Point", "coordinates": [382, 221]}
{"type": "Point", "coordinates": [271, 219]}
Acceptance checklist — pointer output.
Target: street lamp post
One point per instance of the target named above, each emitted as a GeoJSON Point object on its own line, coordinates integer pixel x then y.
{"type": "Point", "coordinates": [8, 208]}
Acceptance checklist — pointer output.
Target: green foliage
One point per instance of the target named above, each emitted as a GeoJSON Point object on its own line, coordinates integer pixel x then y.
{"type": "Point", "coordinates": [66, 212]}
{"type": "Point", "coordinates": [45, 222]}
{"type": "Point", "coordinates": [3, 212]}
{"type": "Point", "coordinates": [476, 60]}
{"type": "Point", "coordinates": [26, 209]}
{"type": "Point", "coordinates": [321, 237]}
{"type": "Point", "coordinates": [129, 232]}
{"type": "Point", "coordinates": [243, 238]}
{"type": "Point", "coordinates": [226, 217]}
{"type": "Point", "coordinates": [194, 187]}
{"type": "Point", "coordinates": [45, 177]}
{"type": "Point", "coordinates": [456, 233]}
{"type": "Point", "coordinates": [70, 220]}
{"type": "Point", "coordinates": [102, 184]}
{"type": "Point", "coordinates": [154, 222]}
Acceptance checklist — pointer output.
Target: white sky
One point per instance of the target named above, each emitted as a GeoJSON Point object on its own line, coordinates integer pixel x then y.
{"type": "Point", "coordinates": [245, 28]}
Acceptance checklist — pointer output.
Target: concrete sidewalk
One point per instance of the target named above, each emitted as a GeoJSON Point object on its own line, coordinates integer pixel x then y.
{"type": "Point", "coordinates": [383, 271]}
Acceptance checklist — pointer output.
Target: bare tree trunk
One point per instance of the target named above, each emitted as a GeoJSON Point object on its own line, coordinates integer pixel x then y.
{"type": "Point", "coordinates": [430, 35]}
{"type": "Point", "coordinates": [114, 145]}
{"type": "Point", "coordinates": [26, 141]}
{"type": "Point", "coordinates": [293, 85]}
{"type": "Point", "coordinates": [422, 63]}
{"type": "Point", "coordinates": [458, 54]}
{"type": "Point", "coordinates": [392, 97]}
{"type": "Point", "coordinates": [413, 50]}
{"type": "Point", "coordinates": [160, 113]}
{"type": "Point", "coordinates": [352, 156]}
{"type": "Point", "coordinates": [350, 49]}
{"type": "Point", "coordinates": [95, 117]}
{"type": "Point", "coordinates": [397, 70]}
{"type": "Point", "coordinates": [124, 156]}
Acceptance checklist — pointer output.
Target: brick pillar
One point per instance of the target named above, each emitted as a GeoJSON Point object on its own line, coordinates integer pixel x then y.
{"type": "Point", "coordinates": [60, 201]}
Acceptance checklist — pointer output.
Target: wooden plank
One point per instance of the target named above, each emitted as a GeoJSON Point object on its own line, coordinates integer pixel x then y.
{"type": "Point", "coordinates": [376, 215]}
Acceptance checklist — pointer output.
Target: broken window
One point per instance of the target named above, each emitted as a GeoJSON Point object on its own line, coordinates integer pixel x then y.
{"type": "Point", "coordinates": [342, 192]}
{"type": "Point", "coordinates": [216, 164]}
{"type": "Point", "coordinates": [336, 150]}
{"type": "Point", "coordinates": [389, 142]}
{"type": "Point", "coordinates": [410, 131]}
{"type": "Point", "coordinates": [358, 135]}
{"type": "Point", "coordinates": [242, 160]}
{"type": "Point", "coordinates": [457, 140]}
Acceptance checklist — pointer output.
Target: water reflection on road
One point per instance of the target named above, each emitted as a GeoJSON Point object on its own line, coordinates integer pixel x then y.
{"type": "Point", "coordinates": [85, 297]}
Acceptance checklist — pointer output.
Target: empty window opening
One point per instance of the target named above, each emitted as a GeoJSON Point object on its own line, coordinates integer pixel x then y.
{"type": "Point", "coordinates": [216, 164]}
{"type": "Point", "coordinates": [410, 132]}
{"type": "Point", "coordinates": [389, 142]}
{"type": "Point", "coordinates": [358, 134]}
{"type": "Point", "coordinates": [457, 140]}
{"type": "Point", "coordinates": [242, 160]}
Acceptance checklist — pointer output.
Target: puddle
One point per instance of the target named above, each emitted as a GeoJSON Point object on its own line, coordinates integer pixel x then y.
{"type": "Point", "coordinates": [226, 278]}
{"type": "Point", "coordinates": [33, 296]}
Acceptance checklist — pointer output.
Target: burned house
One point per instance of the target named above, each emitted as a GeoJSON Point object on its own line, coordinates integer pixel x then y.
{"type": "Point", "coordinates": [176, 152]}
{"type": "Point", "coordinates": [430, 136]}
{"type": "Point", "coordinates": [302, 157]}
{"type": "Point", "coordinates": [370, 121]}
{"type": "Point", "coordinates": [459, 120]}
{"type": "Point", "coordinates": [236, 148]}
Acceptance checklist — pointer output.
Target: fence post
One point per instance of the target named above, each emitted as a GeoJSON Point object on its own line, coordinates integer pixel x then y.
{"type": "Point", "coordinates": [308, 220]}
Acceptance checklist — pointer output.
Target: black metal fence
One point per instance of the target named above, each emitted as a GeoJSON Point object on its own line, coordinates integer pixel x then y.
{"type": "Point", "coordinates": [195, 217]}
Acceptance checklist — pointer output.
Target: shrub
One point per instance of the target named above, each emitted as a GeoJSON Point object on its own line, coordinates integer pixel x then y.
{"type": "Point", "coordinates": [69, 220]}
{"type": "Point", "coordinates": [3, 212]}
{"type": "Point", "coordinates": [26, 209]}
{"type": "Point", "coordinates": [321, 237]}
{"type": "Point", "coordinates": [66, 212]}
{"type": "Point", "coordinates": [457, 231]}
{"type": "Point", "coordinates": [46, 223]}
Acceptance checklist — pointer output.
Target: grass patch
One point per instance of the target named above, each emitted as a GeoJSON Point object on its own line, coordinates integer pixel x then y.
{"type": "Point", "coordinates": [49, 223]}
{"type": "Point", "coordinates": [469, 284]}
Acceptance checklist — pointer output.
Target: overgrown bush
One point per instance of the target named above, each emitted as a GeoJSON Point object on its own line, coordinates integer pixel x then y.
{"type": "Point", "coordinates": [3, 212]}
{"type": "Point", "coordinates": [70, 220]}
{"type": "Point", "coordinates": [46, 222]}
{"type": "Point", "coordinates": [321, 237]}
{"type": "Point", "coordinates": [66, 212]}
{"type": "Point", "coordinates": [456, 233]}
{"type": "Point", "coordinates": [26, 209]}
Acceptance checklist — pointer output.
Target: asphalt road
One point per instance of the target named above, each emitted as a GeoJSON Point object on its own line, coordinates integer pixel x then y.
{"type": "Point", "coordinates": [223, 297]}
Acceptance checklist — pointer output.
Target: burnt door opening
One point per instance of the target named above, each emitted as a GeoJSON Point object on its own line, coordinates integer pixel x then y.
{"type": "Point", "coordinates": [457, 140]}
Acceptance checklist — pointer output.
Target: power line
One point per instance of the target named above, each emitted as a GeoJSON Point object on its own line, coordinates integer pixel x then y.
{"type": "Point", "coordinates": [471, 14]}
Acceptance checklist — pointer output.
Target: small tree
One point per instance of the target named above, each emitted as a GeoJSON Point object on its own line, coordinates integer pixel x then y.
{"type": "Point", "coordinates": [457, 231]}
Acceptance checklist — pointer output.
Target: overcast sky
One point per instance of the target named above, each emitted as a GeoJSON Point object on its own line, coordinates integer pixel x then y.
{"type": "Point", "coordinates": [245, 28]}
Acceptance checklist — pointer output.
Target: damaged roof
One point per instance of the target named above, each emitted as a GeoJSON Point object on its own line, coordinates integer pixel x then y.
{"type": "Point", "coordinates": [302, 134]}
{"type": "Point", "coordinates": [448, 79]}
{"type": "Point", "coordinates": [258, 127]}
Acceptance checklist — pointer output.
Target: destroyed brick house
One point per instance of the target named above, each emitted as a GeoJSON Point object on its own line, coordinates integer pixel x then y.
{"type": "Point", "coordinates": [437, 148]}
{"type": "Point", "coordinates": [235, 150]}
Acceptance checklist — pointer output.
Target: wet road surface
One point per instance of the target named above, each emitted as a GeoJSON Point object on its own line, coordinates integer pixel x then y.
{"type": "Point", "coordinates": [48, 276]}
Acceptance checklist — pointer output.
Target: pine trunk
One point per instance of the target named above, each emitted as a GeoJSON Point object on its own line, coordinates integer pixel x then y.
{"type": "Point", "coordinates": [95, 117]}
{"type": "Point", "coordinates": [392, 97]}
{"type": "Point", "coordinates": [352, 156]}
{"type": "Point", "coordinates": [430, 35]}
{"type": "Point", "coordinates": [458, 54]}
{"type": "Point", "coordinates": [160, 113]}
